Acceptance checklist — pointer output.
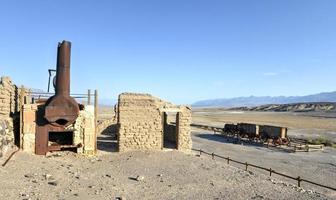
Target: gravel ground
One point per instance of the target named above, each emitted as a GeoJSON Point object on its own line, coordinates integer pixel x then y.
{"type": "Point", "coordinates": [319, 166]}
{"type": "Point", "coordinates": [137, 175]}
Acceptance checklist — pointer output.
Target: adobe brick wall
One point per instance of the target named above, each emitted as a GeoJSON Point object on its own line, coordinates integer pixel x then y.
{"type": "Point", "coordinates": [184, 129]}
{"type": "Point", "coordinates": [140, 125]}
{"type": "Point", "coordinates": [140, 122]}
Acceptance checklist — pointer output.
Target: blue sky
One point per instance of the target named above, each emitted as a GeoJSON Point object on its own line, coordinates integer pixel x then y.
{"type": "Point", "coordinates": [179, 50]}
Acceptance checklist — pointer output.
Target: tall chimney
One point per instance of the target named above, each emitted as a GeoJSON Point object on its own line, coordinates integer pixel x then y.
{"type": "Point", "coordinates": [61, 109]}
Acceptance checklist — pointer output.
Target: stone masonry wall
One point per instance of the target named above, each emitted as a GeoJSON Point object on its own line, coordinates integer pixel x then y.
{"type": "Point", "coordinates": [85, 131]}
{"type": "Point", "coordinates": [142, 119]}
{"type": "Point", "coordinates": [8, 97]}
{"type": "Point", "coordinates": [29, 127]}
{"type": "Point", "coordinates": [8, 107]}
{"type": "Point", "coordinates": [140, 122]}
{"type": "Point", "coordinates": [184, 129]}
{"type": "Point", "coordinates": [6, 135]}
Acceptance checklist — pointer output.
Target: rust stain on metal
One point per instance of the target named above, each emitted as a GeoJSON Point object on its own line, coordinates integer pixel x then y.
{"type": "Point", "coordinates": [60, 110]}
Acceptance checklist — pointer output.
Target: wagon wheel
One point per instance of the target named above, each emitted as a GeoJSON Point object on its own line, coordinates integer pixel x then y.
{"type": "Point", "coordinates": [285, 141]}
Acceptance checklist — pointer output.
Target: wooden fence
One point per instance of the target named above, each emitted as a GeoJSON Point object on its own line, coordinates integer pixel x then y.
{"type": "Point", "coordinates": [269, 170]}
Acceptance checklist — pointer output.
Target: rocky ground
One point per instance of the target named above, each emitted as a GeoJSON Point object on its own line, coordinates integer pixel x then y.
{"type": "Point", "coordinates": [137, 175]}
{"type": "Point", "coordinates": [318, 166]}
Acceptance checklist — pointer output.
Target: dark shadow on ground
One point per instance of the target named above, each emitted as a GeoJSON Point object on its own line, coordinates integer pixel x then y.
{"type": "Point", "coordinates": [107, 143]}
{"type": "Point", "coordinates": [234, 140]}
{"type": "Point", "coordinates": [169, 145]}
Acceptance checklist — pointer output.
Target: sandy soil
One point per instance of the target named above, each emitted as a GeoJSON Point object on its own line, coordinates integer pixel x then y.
{"type": "Point", "coordinates": [317, 166]}
{"type": "Point", "coordinates": [137, 175]}
{"type": "Point", "coordinates": [172, 174]}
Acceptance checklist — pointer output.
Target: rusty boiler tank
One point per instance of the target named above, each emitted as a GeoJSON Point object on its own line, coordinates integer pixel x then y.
{"type": "Point", "coordinates": [59, 111]}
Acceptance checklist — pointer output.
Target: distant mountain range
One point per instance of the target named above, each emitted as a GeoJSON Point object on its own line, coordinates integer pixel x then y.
{"type": "Point", "coordinates": [257, 101]}
{"type": "Point", "coordinates": [293, 107]}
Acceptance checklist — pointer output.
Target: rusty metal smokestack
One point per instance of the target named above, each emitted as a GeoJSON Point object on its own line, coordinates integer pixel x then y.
{"type": "Point", "coordinates": [63, 69]}
{"type": "Point", "coordinates": [61, 109]}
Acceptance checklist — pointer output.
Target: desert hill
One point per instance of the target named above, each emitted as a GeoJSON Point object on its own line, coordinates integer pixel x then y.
{"type": "Point", "coordinates": [253, 101]}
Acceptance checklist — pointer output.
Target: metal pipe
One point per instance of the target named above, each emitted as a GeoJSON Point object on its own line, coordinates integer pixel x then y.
{"type": "Point", "coordinates": [63, 69]}
{"type": "Point", "coordinates": [61, 109]}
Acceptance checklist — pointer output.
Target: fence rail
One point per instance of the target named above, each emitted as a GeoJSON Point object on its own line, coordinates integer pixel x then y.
{"type": "Point", "coordinates": [270, 170]}
{"type": "Point", "coordinates": [49, 94]}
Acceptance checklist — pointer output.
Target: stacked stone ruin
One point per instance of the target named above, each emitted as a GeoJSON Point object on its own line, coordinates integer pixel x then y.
{"type": "Point", "coordinates": [8, 111]}
{"type": "Point", "coordinates": [141, 123]}
{"type": "Point", "coordinates": [12, 113]}
{"type": "Point", "coordinates": [84, 136]}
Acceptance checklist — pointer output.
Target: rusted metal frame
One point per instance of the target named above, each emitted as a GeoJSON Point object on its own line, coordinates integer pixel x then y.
{"type": "Point", "coordinates": [50, 71]}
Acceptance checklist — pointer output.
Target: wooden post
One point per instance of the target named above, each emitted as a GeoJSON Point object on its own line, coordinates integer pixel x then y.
{"type": "Point", "coordinates": [228, 160]}
{"type": "Point", "coordinates": [96, 105]}
{"type": "Point", "coordinates": [22, 97]}
{"type": "Point", "coordinates": [89, 97]}
{"type": "Point", "coordinates": [164, 119]}
{"type": "Point", "coordinates": [299, 181]}
{"type": "Point", "coordinates": [213, 155]}
{"type": "Point", "coordinates": [96, 116]}
{"type": "Point", "coordinates": [246, 164]}
{"type": "Point", "coordinates": [200, 152]}
{"type": "Point", "coordinates": [270, 171]}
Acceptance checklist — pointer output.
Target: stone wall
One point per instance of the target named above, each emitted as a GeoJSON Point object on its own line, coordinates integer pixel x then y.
{"type": "Point", "coordinates": [8, 97]}
{"type": "Point", "coordinates": [6, 135]}
{"type": "Point", "coordinates": [84, 135]}
{"type": "Point", "coordinates": [29, 127]}
{"type": "Point", "coordinates": [141, 123]}
{"type": "Point", "coordinates": [184, 129]}
{"type": "Point", "coordinates": [108, 127]}
{"type": "Point", "coordinates": [8, 113]}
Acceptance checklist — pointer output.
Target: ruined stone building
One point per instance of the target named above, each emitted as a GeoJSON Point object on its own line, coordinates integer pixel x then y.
{"type": "Point", "coordinates": [142, 123]}
{"type": "Point", "coordinates": [58, 122]}
{"type": "Point", "coordinates": [8, 113]}
{"type": "Point", "coordinates": [19, 124]}
{"type": "Point", "coordinates": [51, 123]}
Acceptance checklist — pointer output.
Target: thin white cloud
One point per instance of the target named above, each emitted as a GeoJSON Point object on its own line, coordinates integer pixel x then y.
{"type": "Point", "coordinates": [270, 74]}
